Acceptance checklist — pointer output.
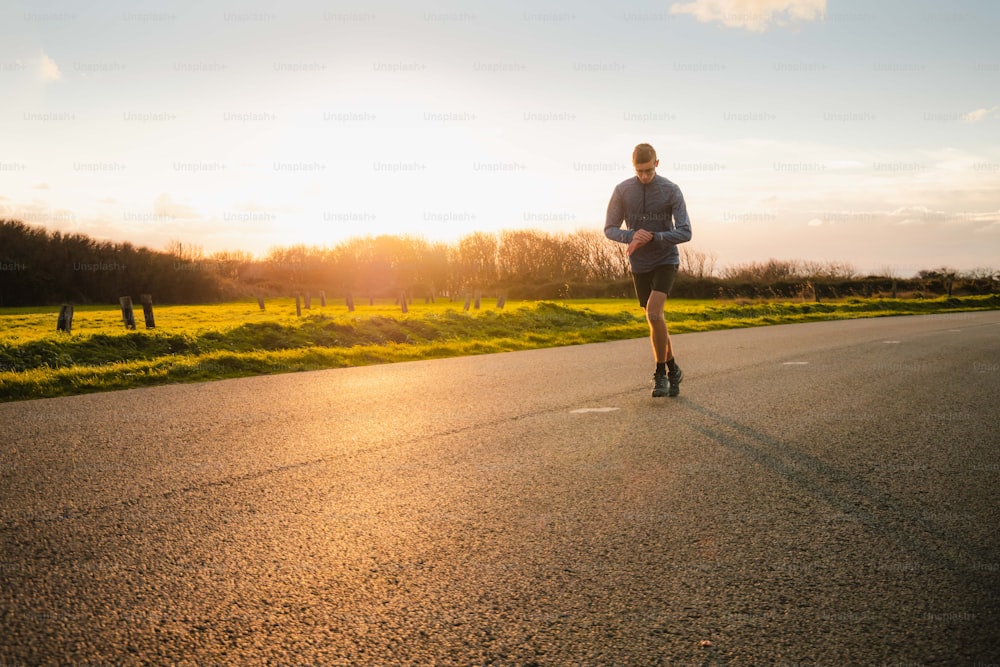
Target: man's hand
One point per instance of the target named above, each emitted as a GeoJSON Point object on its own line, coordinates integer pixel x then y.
{"type": "Point", "coordinates": [641, 238]}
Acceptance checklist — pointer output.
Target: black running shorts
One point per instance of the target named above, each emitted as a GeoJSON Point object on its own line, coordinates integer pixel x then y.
{"type": "Point", "coordinates": [660, 279]}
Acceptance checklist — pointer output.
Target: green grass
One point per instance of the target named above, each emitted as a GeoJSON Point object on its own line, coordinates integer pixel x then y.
{"type": "Point", "coordinates": [198, 343]}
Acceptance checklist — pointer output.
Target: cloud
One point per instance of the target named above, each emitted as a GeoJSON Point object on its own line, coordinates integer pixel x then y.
{"type": "Point", "coordinates": [979, 114]}
{"type": "Point", "coordinates": [165, 207]}
{"type": "Point", "coordinates": [911, 210]}
{"type": "Point", "coordinates": [39, 213]}
{"type": "Point", "coordinates": [49, 69]}
{"type": "Point", "coordinates": [753, 15]}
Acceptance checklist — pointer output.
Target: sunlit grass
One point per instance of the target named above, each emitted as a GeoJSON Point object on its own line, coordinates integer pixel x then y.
{"type": "Point", "coordinates": [199, 343]}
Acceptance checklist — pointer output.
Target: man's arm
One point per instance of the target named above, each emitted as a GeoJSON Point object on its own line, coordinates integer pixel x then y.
{"type": "Point", "coordinates": [613, 222]}
{"type": "Point", "coordinates": [681, 233]}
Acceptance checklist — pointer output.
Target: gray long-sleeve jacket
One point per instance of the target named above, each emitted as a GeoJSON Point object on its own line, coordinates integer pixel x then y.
{"type": "Point", "coordinates": [657, 207]}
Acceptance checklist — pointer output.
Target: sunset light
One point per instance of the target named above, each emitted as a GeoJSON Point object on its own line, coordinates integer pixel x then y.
{"type": "Point", "coordinates": [840, 131]}
{"type": "Point", "coordinates": [651, 332]}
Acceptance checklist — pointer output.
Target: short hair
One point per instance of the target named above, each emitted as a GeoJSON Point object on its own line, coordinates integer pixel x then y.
{"type": "Point", "coordinates": [643, 153]}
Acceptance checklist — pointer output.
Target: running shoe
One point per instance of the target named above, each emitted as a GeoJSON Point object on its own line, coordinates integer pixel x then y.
{"type": "Point", "coordinates": [675, 381]}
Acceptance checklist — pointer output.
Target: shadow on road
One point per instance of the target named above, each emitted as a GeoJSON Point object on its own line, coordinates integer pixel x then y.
{"type": "Point", "coordinates": [907, 527]}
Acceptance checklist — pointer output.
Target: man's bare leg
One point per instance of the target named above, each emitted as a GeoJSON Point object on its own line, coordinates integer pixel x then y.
{"type": "Point", "coordinates": [660, 341]}
{"type": "Point", "coordinates": [668, 376]}
{"type": "Point", "coordinates": [658, 335]}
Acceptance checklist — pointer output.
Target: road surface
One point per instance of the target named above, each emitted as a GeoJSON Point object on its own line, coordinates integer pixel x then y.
{"type": "Point", "coordinates": [819, 494]}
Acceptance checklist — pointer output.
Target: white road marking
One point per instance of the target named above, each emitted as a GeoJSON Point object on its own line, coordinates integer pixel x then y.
{"type": "Point", "coordinates": [795, 363]}
{"type": "Point", "coordinates": [891, 342]}
{"type": "Point", "coordinates": [582, 410]}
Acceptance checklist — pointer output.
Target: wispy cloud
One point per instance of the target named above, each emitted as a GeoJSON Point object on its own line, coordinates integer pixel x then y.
{"type": "Point", "coordinates": [39, 213]}
{"type": "Point", "coordinates": [753, 15]}
{"type": "Point", "coordinates": [164, 206]}
{"type": "Point", "coordinates": [49, 69]}
{"type": "Point", "coordinates": [980, 114]}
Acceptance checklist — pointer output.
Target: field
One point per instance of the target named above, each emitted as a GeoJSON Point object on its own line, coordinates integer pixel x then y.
{"type": "Point", "coordinates": [208, 342]}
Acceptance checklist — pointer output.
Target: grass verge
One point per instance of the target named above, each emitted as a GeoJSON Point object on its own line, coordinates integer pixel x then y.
{"type": "Point", "coordinates": [37, 364]}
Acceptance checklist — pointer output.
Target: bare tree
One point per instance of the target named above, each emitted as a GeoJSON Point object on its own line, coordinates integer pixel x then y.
{"type": "Point", "coordinates": [477, 257]}
{"type": "Point", "coordinates": [604, 260]}
{"type": "Point", "coordinates": [773, 270]}
{"type": "Point", "coordinates": [231, 263]}
{"type": "Point", "coordinates": [185, 252]}
{"type": "Point", "coordinates": [984, 273]}
{"type": "Point", "coordinates": [890, 272]}
{"type": "Point", "coordinates": [697, 263]}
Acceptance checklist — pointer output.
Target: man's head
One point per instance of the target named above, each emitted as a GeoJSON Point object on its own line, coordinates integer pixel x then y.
{"type": "Point", "coordinates": [645, 162]}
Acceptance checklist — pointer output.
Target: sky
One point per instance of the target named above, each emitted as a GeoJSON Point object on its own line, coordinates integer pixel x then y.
{"type": "Point", "coordinates": [818, 130]}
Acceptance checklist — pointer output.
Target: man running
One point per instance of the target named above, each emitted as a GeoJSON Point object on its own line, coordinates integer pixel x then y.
{"type": "Point", "coordinates": [656, 220]}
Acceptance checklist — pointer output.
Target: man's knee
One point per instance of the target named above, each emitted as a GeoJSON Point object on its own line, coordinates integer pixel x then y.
{"type": "Point", "coordinates": [654, 306]}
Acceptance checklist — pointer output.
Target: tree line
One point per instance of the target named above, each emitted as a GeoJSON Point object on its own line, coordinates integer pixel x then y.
{"type": "Point", "coordinates": [41, 267]}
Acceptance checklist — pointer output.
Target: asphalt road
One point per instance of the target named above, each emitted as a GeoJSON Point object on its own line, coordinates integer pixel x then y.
{"type": "Point", "coordinates": [819, 494]}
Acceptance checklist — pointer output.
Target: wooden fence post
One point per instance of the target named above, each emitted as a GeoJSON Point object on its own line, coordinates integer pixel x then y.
{"type": "Point", "coordinates": [147, 310]}
{"type": "Point", "coordinates": [127, 315]}
{"type": "Point", "coordinates": [65, 322]}
{"type": "Point", "coordinates": [298, 305]}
